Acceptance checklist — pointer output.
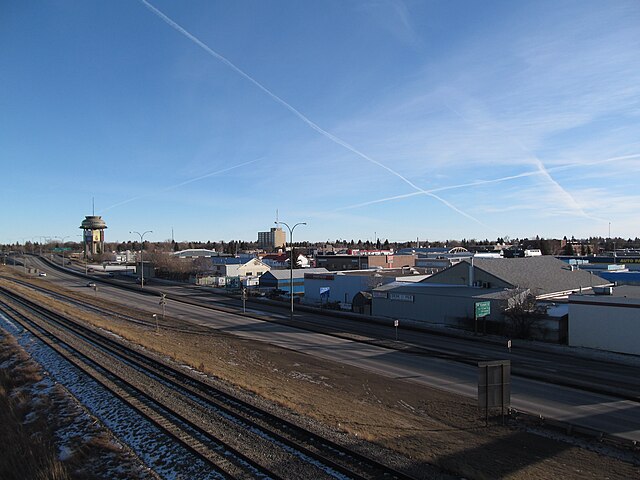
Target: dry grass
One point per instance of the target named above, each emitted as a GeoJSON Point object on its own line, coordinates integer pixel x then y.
{"type": "Point", "coordinates": [28, 447]}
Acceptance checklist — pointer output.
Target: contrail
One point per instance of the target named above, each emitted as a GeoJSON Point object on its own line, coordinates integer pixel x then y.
{"type": "Point", "coordinates": [493, 180]}
{"type": "Point", "coordinates": [296, 112]}
{"type": "Point", "coordinates": [171, 187]}
{"type": "Point", "coordinates": [539, 164]}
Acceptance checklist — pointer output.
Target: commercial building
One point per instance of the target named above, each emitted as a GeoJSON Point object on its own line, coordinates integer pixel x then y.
{"type": "Point", "coordinates": [545, 277]}
{"type": "Point", "coordinates": [435, 259]}
{"type": "Point", "coordinates": [343, 287]}
{"type": "Point", "coordinates": [365, 261]}
{"type": "Point", "coordinates": [281, 279]}
{"type": "Point", "coordinates": [449, 297]}
{"type": "Point", "coordinates": [607, 319]}
{"type": "Point", "coordinates": [273, 239]}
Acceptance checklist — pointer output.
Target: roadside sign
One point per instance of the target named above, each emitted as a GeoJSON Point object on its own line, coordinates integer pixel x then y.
{"type": "Point", "coordinates": [62, 249]}
{"type": "Point", "coordinates": [494, 386]}
{"type": "Point", "coordinates": [396, 323]}
{"type": "Point", "coordinates": [232, 283]}
{"type": "Point", "coordinates": [483, 309]}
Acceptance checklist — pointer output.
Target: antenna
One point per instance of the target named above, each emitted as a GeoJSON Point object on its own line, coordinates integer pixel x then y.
{"type": "Point", "coordinates": [276, 215]}
{"type": "Point", "coordinates": [93, 206]}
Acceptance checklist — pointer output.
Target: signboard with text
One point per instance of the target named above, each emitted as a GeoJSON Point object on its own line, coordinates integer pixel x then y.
{"type": "Point", "coordinates": [483, 309]}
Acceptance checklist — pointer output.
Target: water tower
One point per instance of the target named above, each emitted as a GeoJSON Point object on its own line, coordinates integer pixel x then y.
{"type": "Point", "coordinates": [93, 234]}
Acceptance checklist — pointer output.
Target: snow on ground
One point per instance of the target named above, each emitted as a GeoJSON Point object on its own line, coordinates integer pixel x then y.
{"type": "Point", "coordinates": [159, 452]}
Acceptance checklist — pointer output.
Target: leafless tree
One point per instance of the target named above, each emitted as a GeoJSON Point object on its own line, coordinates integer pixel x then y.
{"type": "Point", "coordinates": [523, 314]}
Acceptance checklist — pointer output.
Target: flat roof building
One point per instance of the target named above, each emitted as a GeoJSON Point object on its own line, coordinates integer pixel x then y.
{"type": "Point", "coordinates": [273, 239]}
{"type": "Point", "coordinates": [608, 319]}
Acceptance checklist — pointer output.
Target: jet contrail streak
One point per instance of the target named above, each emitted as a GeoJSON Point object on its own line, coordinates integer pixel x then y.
{"type": "Point", "coordinates": [296, 112]}
{"type": "Point", "coordinates": [171, 187]}
{"type": "Point", "coordinates": [541, 167]}
{"type": "Point", "coordinates": [493, 180]}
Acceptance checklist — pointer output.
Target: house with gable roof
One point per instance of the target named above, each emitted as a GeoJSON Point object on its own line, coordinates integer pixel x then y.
{"type": "Point", "coordinates": [238, 266]}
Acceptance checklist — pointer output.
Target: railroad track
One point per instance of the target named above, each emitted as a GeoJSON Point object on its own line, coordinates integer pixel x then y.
{"type": "Point", "coordinates": [205, 419]}
{"type": "Point", "coordinates": [92, 307]}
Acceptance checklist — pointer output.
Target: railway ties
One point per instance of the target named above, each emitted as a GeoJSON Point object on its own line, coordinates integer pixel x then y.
{"type": "Point", "coordinates": [204, 445]}
{"type": "Point", "coordinates": [236, 438]}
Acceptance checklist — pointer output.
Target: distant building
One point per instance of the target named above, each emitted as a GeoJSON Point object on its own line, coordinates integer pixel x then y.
{"type": "Point", "coordinates": [336, 263]}
{"type": "Point", "coordinates": [435, 259]}
{"type": "Point", "coordinates": [281, 279]}
{"type": "Point", "coordinates": [281, 260]}
{"type": "Point", "coordinates": [343, 287]}
{"type": "Point", "coordinates": [273, 239]}
{"type": "Point", "coordinates": [276, 260]}
{"type": "Point", "coordinates": [238, 267]}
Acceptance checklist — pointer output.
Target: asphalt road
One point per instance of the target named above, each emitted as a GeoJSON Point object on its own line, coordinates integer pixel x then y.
{"type": "Point", "coordinates": [439, 361]}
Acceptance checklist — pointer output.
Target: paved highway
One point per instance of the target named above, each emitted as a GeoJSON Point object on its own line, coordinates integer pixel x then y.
{"type": "Point", "coordinates": [439, 362]}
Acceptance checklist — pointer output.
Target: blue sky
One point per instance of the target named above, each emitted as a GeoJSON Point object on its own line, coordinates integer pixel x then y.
{"type": "Point", "coordinates": [437, 120]}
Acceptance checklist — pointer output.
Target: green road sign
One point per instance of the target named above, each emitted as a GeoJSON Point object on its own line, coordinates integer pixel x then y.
{"type": "Point", "coordinates": [483, 309]}
{"type": "Point", "coordinates": [62, 249]}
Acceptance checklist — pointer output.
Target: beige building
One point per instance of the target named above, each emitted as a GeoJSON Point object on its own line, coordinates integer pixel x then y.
{"type": "Point", "coordinates": [239, 267]}
{"type": "Point", "coordinates": [273, 239]}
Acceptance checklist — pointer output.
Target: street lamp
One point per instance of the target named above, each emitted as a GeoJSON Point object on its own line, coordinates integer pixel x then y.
{"type": "Point", "coordinates": [141, 249]}
{"type": "Point", "coordinates": [291, 229]}
{"type": "Point", "coordinates": [86, 258]}
{"type": "Point", "coordinates": [62, 239]}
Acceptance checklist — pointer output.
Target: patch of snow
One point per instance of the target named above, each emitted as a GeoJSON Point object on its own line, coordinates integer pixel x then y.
{"type": "Point", "coordinates": [159, 452]}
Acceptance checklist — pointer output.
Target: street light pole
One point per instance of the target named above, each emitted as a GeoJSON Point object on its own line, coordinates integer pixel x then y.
{"type": "Point", "coordinates": [291, 229]}
{"type": "Point", "coordinates": [62, 239]}
{"type": "Point", "coordinates": [141, 258]}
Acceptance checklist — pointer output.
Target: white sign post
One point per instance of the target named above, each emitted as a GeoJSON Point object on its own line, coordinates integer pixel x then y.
{"type": "Point", "coordinates": [395, 324]}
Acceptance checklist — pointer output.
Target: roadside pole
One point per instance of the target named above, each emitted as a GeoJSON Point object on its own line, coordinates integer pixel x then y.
{"type": "Point", "coordinates": [395, 324]}
{"type": "Point", "coordinates": [163, 302]}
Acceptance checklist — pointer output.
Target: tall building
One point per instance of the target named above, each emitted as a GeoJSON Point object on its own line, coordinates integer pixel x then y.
{"type": "Point", "coordinates": [273, 239]}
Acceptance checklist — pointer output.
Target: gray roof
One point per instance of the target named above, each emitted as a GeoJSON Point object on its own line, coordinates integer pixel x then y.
{"type": "Point", "coordinates": [542, 275]}
{"type": "Point", "coordinates": [622, 291]}
{"type": "Point", "coordinates": [285, 274]}
{"type": "Point", "coordinates": [229, 260]}
{"type": "Point", "coordinates": [447, 290]}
